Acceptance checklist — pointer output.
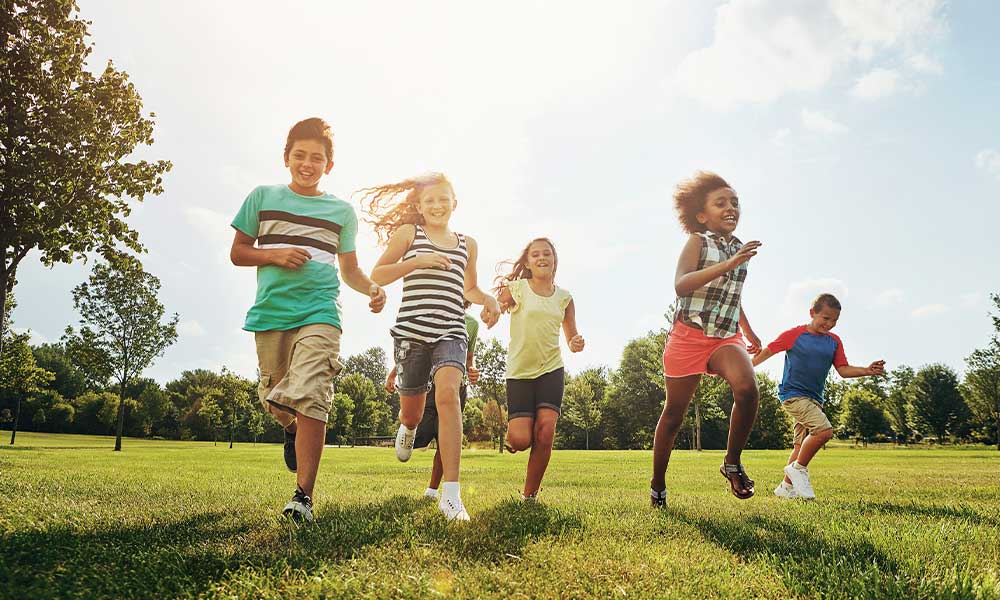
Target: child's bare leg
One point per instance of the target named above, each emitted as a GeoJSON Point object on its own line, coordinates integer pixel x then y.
{"type": "Point", "coordinates": [436, 471]}
{"type": "Point", "coordinates": [680, 390]}
{"type": "Point", "coordinates": [791, 458]}
{"type": "Point", "coordinates": [308, 450]}
{"type": "Point", "coordinates": [520, 433]}
{"type": "Point", "coordinates": [733, 364]}
{"type": "Point", "coordinates": [543, 433]}
{"type": "Point", "coordinates": [447, 381]}
{"type": "Point", "coordinates": [811, 445]}
{"type": "Point", "coordinates": [411, 409]}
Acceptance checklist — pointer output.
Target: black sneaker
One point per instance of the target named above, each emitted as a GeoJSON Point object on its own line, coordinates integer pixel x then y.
{"type": "Point", "coordinates": [299, 508]}
{"type": "Point", "coordinates": [290, 460]}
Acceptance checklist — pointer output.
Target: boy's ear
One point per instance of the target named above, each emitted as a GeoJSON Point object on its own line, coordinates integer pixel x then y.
{"type": "Point", "coordinates": [329, 167]}
{"type": "Point", "coordinates": [812, 313]}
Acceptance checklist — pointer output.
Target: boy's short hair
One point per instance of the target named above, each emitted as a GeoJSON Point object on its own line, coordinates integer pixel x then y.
{"type": "Point", "coordinates": [828, 300]}
{"type": "Point", "coordinates": [690, 196]}
{"type": "Point", "coordinates": [311, 129]}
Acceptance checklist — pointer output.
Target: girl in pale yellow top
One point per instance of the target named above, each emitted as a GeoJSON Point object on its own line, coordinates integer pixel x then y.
{"type": "Point", "coordinates": [535, 374]}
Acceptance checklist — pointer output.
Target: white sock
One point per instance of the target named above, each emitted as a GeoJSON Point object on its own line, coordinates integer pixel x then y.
{"type": "Point", "coordinates": [798, 466]}
{"type": "Point", "coordinates": [450, 489]}
{"type": "Point", "coordinates": [408, 430]}
{"type": "Point", "coordinates": [431, 492]}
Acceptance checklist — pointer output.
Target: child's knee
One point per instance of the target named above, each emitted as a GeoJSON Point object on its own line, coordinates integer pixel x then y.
{"type": "Point", "coordinates": [826, 435]}
{"type": "Point", "coordinates": [745, 391]}
{"type": "Point", "coordinates": [545, 433]}
{"type": "Point", "coordinates": [519, 441]}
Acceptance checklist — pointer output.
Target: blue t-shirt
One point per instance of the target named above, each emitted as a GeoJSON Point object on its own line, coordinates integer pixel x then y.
{"type": "Point", "coordinates": [808, 358]}
{"type": "Point", "coordinates": [324, 226]}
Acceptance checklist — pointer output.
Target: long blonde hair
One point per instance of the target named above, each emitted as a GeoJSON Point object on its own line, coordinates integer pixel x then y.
{"type": "Point", "coordinates": [387, 214]}
{"type": "Point", "coordinates": [519, 268]}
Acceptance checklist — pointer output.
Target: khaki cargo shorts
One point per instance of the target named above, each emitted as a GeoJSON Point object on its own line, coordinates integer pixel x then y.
{"type": "Point", "coordinates": [809, 417]}
{"type": "Point", "coordinates": [297, 368]}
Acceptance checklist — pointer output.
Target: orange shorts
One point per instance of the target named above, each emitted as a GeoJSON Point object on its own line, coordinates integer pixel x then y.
{"type": "Point", "coordinates": [688, 350]}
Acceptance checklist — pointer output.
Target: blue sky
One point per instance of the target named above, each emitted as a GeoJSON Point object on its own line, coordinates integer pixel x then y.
{"type": "Point", "coordinates": [862, 137]}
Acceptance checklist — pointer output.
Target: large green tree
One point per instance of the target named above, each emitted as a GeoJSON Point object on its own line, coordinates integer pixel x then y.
{"type": "Point", "coordinates": [635, 396]}
{"type": "Point", "coordinates": [20, 377]}
{"type": "Point", "coordinates": [67, 137]}
{"type": "Point", "coordinates": [581, 407]}
{"type": "Point", "coordinates": [122, 316]}
{"type": "Point", "coordinates": [982, 379]}
{"type": "Point", "coordinates": [772, 429]}
{"type": "Point", "coordinates": [897, 402]}
{"type": "Point", "coordinates": [863, 416]}
{"type": "Point", "coordinates": [936, 404]}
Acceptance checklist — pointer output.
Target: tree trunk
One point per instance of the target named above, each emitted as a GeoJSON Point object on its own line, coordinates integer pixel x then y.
{"type": "Point", "coordinates": [232, 429]}
{"type": "Point", "coordinates": [998, 430]}
{"type": "Point", "coordinates": [588, 439]}
{"type": "Point", "coordinates": [17, 417]}
{"type": "Point", "coordinates": [697, 427]}
{"type": "Point", "coordinates": [121, 418]}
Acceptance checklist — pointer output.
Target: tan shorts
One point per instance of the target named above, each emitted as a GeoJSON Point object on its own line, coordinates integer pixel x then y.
{"type": "Point", "coordinates": [297, 368]}
{"type": "Point", "coordinates": [809, 417]}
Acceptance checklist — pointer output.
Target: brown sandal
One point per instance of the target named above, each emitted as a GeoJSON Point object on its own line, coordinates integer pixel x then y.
{"type": "Point", "coordinates": [742, 480]}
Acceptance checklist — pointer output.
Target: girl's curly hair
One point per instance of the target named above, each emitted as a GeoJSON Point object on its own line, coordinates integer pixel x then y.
{"type": "Point", "coordinates": [519, 268]}
{"type": "Point", "coordinates": [690, 196]}
{"type": "Point", "coordinates": [387, 214]}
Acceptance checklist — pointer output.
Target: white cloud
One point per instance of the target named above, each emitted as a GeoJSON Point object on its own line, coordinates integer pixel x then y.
{"type": "Point", "coordinates": [877, 83]}
{"type": "Point", "coordinates": [922, 63]}
{"type": "Point", "coordinates": [800, 294]}
{"type": "Point", "coordinates": [821, 122]}
{"type": "Point", "coordinates": [765, 49]}
{"type": "Point", "coordinates": [929, 310]}
{"type": "Point", "coordinates": [780, 137]}
{"type": "Point", "coordinates": [190, 328]}
{"type": "Point", "coordinates": [989, 161]}
{"type": "Point", "coordinates": [887, 298]}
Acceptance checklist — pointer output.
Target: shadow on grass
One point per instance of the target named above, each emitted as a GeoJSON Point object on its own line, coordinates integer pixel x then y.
{"type": "Point", "coordinates": [961, 512]}
{"type": "Point", "coordinates": [810, 563]}
{"type": "Point", "coordinates": [185, 557]}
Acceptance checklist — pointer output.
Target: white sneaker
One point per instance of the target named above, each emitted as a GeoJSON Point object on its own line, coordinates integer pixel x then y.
{"type": "Point", "coordinates": [786, 491]}
{"type": "Point", "coordinates": [800, 481]}
{"type": "Point", "coordinates": [404, 442]}
{"type": "Point", "coordinates": [431, 493]}
{"type": "Point", "coordinates": [452, 509]}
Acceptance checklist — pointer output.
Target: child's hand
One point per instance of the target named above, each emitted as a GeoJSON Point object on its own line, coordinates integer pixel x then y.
{"type": "Point", "coordinates": [744, 254]}
{"type": "Point", "coordinates": [377, 295]}
{"type": "Point", "coordinates": [390, 381]}
{"type": "Point", "coordinates": [491, 312]}
{"type": "Point", "coordinates": [432, 260]}
{"type": "Point", "coordinates": [754, 346]}
{"type": "Point", "coordinates": [473, 375]}
{"type": "Point", "coordinates": [877, 368]}
{"type": "Point", "coordinates": [289, 258]}
{"type": "Point", "coordinates": [576, 343]}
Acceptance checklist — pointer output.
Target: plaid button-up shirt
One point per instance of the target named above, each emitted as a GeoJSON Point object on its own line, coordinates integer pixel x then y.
{"type": "Point", "coordinates": [714, 308]}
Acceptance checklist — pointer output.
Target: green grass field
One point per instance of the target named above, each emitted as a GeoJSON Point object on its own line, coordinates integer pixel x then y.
{"type": "Point", "coordinates": [179, 519]}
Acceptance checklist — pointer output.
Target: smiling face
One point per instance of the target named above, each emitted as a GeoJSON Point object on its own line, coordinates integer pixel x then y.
{"type": "Point", "coordinates": [436, 203]}
{"type": "Point", "coordinates": [541, 260]}
{"type": "Point", "coordinates": [823, 320]}
{"type": "Point", "coordinates": [307, 162]}
{"type": "Point", "coordinates": [721, 212]}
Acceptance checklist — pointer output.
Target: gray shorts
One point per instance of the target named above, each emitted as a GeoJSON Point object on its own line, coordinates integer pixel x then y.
{"type": "Point", "coordinates": [417, 362]}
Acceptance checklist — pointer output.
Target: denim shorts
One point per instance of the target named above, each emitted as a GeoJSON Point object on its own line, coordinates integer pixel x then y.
{"type": "Point", "coordinates": [417, 362]}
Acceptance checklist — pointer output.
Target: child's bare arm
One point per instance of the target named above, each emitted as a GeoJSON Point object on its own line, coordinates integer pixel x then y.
{"type": "Point", "coordinates": [573, 338]}
{"type": "Point", "coordinates": [245, 254]}
{"type": "Point", "coordinates": [755, 345]}
{"type": "Point", "coordinates": [491, 309]}
{"type": "Point", "coordinates": [505, 299]}
{"type": "Point", "coordinates": [762, 356]}
{"type": "Point", "coordinates": [848, 371]}
{"type": "Point", "coordinates": [354, 277]}
{"type": "Point", "coordinates": [390, 381]}
{"type": "Point", "coordinates": [391, 266]}
{"type": "Point", "coordinates": [687, 278]}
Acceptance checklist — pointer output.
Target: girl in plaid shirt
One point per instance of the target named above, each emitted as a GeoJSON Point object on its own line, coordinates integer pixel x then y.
{"type": "Point", "coordinates": [705, 335]}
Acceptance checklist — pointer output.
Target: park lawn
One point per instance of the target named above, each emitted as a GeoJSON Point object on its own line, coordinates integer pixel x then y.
{"type": "Point", "coordinates": [190, 519]}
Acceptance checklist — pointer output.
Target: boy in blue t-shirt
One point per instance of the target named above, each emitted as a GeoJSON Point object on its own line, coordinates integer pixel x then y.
{"type": "Point", "coordinates": [810, 351]}
{"type": "Point", "coordinates": [302, 235]}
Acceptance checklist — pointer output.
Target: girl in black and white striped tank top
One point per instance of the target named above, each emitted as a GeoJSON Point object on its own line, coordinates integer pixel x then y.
{"type": "Point", "coordinates": [432, 308]}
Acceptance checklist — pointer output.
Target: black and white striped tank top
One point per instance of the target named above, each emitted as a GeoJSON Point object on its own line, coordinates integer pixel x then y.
{"type": "Point", "coordinates": [433, 299]}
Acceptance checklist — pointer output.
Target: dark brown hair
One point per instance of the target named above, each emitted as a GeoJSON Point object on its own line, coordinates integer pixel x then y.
{"type": "Point", "coordinates": [519, 268]}
{"type": "Point", "coordinates": [828, 300]}
{"type": "Point", "coordinates": [690, 196]}
{"type": "Point", "coordinates": [311, 129]}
